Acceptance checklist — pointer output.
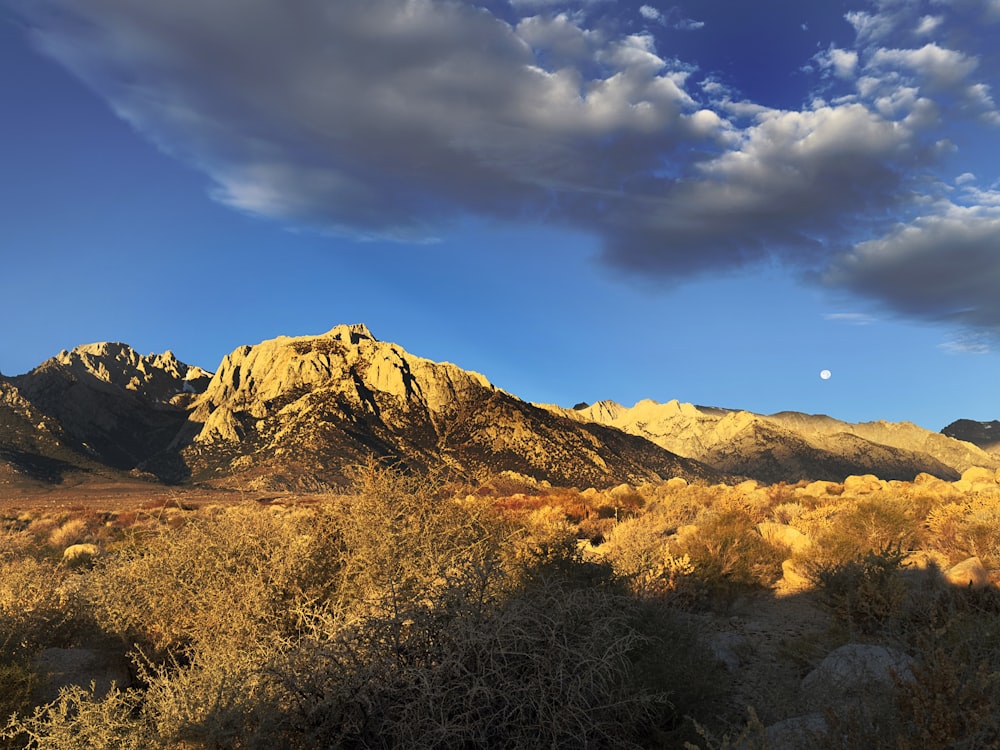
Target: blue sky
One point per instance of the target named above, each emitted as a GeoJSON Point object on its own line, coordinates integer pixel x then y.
{"type": "Point", "coordinates": [710, 201]}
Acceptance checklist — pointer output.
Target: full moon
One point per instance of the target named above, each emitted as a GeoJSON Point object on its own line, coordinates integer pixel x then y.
{"type": "Point", "coordinates": [825, 374]}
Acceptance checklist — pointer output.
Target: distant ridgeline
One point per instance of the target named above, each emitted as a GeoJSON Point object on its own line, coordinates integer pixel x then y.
{"type": "Point", "coordinates": [296, 413]}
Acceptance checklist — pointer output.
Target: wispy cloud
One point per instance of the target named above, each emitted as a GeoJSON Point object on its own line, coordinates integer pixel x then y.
{"type": "Point", "coordinates": [857, 319]}
{"type": "Point", "coordinates": [968, 343]}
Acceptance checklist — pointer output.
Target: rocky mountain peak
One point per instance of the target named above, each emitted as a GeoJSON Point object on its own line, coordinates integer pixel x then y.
{"type": "Point", "coordinates": [159, 377]}
{"type": "Point", "coordinates": [348, 361]}
{"type": "Point", "coordinates": [350, 334]}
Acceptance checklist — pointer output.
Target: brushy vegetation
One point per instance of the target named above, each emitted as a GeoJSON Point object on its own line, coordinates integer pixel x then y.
{"type": "Point", "coordinates": [414, 614]}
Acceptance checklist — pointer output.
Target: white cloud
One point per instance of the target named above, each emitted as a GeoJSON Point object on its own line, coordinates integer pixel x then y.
{"type": "Point", "coordinates": [968, 343]}
{"type": "Point", "coordinates": [650, 13]}
{"type": "Point", "coordinates": [940, 68]}
{"type": "Point", "coordinates": [869, 27]}
{"type": "Point", "coordinates": [842, 63]}
{"type": "Point", "coordinates": [856, 319]}
{"type": "Point", "coordinates": [928, 25]}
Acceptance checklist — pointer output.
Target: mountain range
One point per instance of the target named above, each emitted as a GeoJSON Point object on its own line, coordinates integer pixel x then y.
{"type": "Point", "coordinates": [297, 413]}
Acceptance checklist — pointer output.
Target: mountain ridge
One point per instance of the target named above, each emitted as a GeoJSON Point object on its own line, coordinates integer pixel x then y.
{"type": "Point", "coordinates": [294, 412]}
{"type": "Point", "coordinates": [816, 447]}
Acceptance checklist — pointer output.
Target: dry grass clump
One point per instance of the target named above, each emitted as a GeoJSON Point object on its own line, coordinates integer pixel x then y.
{"type": "Point", "coordinates": [73, 531]}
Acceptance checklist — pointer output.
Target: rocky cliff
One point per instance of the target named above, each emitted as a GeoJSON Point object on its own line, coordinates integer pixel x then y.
{"type": "Point", "coordinates": [297, 411]}
{"type": "Point", "coordinates": [32, 445]}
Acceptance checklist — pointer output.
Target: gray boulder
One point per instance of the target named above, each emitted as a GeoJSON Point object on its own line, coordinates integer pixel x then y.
{"type": "Point", "coordinates": [854, 675]}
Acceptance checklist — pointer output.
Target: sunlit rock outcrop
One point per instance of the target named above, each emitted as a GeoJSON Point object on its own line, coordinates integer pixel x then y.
{"type": "Point", "coordinates": [310, 406]}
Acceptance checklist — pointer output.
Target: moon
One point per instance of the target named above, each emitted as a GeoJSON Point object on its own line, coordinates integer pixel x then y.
{"type": "Point", "coordinates": [825, 374]}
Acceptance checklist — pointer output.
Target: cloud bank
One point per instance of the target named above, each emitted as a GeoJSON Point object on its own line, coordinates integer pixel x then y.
{"type": "Point", "coordinates": [394, 118]}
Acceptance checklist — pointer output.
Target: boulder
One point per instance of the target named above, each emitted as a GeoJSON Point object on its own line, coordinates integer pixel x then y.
{"type": "Point", "coordinates": [979, 475]}
{"type": "Point", "coordinates": [80, 554]}
{"type": "Point", "coordinates": [855, 673]}
{"type": "Point", "coordinates": [784, 535]}
{"type": "Point", "coordinates": [969, 572]}
{"type": "Point", "coordinates": [725, 648]}
{"type": "Point", "coordinates": [796, 733]}
{"type": "Point", "coordinates": [818, 488]}
{"type": "Point", "coordinates": [863, 485]}
{"type": "Point", "coordinates": [793, 576]}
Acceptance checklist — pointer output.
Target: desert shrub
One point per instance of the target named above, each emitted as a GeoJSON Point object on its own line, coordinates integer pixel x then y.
{"type": "Point", "coordinates": [402, 544]}
{"type": "Point", "coordinates": [787, 513]}
{"type": "Point", "coordinates": [229, 576]}
{"type": "Point", "coordinates": [390, 617]}
{"type": "Point", "coordinates": [954, 634]}
{"type": "Point", "coordinates": [951, 702]}
{"type": "Point", "coordinates": [38, 606]}
{"type": "Point", "coordinates": [16, 544]}
{"type": "Point", "coordinates": [866, 592]}
{"type": "Point", "coordinates": [72, 531]}
{"type": "Point", "coordinates": [218, 700]}
{"type": "Point", "coordinates": [727, 553]}
{"type": "Point", "coordinates": [17, 684]}
{"type": "Point", "coordinates": [79, 720]}
{"type": "Point", "coordinates": [557, 664]}
{"type": "Point", "coordinates": [869, 524]}
{"type": "Point", "coordinates": [639, 551]}
{"type": "Point", "coordinates": [979, 533]}
{"type": "Point", "coordinates": [945, 523]}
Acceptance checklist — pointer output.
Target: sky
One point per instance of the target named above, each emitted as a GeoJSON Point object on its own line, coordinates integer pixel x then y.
{"type": "Point", "coordinates": [704, 200]}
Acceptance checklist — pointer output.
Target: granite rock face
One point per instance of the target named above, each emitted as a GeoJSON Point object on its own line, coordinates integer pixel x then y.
{"type": "Point", "coordinates": [292, 412]}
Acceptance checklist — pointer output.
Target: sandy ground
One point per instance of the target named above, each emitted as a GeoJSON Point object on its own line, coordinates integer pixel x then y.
{"type": "Point", "coordinates": [96, 494]}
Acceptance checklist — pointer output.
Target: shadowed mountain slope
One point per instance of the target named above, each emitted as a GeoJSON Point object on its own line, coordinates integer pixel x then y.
{"type": "Point", "coordinates": [112, 405]}
{"type": "Point", "coordinates": [984, 434]}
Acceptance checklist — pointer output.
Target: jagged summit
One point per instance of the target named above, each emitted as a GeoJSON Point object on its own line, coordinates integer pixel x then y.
{"type": "Point", "coordinates": [320, 403]}
{"type": "Point", "coordinates": [350, 334]}
{"type": "Point", "coordinates": [156, 376]}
